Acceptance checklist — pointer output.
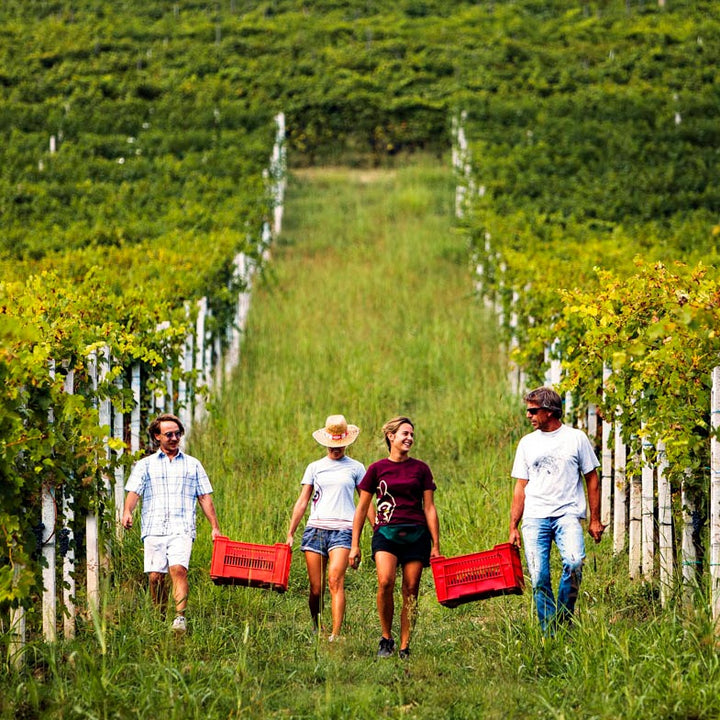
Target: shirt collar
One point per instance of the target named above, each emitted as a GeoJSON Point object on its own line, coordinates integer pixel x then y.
{"type": "Point", "coordinates": [161, 454]}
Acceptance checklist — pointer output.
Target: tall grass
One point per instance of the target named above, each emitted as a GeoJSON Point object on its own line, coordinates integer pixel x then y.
{"type": "Point", "coordinates": [368, 311]}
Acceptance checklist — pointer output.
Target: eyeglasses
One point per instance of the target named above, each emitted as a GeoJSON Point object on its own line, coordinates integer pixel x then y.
{"type": "Point", "coordinates": [170, 435]}
{"type": "Point", "coordinates": [535, 411]}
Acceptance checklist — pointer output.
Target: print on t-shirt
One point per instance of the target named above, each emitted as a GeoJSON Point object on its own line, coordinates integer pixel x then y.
{"type": "Point", "coordinates": [547, 464]}
{"type": "Point", "coordinates": [317, 496]}
{"type": "Point", "coordinates": [386, 504]}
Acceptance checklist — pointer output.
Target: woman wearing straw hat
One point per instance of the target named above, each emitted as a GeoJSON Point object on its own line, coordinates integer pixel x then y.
{"type": "Point", "coordinates": [331, 484]}
{"type": "Point", "coordinates": [407, 531]}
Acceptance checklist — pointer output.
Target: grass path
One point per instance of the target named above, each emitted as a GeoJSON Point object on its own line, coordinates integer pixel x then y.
{"type": "Point", "coordinates": [368, 310]}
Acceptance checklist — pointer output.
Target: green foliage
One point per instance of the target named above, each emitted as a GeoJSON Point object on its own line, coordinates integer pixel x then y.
{"type": "Point", "coordinates": [594, 214]}
{"type": "Point", "coordinates": [368, 338]}
{"type": "Point", "coordinates": [133, 175]}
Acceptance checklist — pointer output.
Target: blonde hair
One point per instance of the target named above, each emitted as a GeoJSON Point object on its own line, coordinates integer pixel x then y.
{"type": "Point", "coordinates": [392, 426]}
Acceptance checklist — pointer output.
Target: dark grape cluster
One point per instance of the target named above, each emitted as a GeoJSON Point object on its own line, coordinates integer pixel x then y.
{"type": "Point", "coordinates": [64, 541]}
{"type": "Point", "coordinates": [39, 531]}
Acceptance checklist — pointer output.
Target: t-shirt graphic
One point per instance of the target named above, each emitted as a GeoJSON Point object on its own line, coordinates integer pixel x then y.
{"type": "Point", "coordinates": [546, 465]}
{"type": "Point", "coordinates": [386, 504]}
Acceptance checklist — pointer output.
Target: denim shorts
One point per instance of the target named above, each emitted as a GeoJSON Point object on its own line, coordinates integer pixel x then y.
{"type": "Point", "coordinates": [405, 553]}
{"type": "Point", "coordinates": [322, 541]}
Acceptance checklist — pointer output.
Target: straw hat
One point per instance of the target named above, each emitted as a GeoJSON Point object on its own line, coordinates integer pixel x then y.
{"type": "Point", "coordinates": [336, 433]}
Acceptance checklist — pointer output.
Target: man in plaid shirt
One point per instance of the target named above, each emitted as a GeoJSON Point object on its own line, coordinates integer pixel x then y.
{"type": "Point", "coordinates": [170, 484]}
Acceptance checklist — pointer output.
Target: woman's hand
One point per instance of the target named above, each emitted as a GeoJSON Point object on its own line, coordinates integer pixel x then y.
{"type": "Point", "coordinates": [354, 557]}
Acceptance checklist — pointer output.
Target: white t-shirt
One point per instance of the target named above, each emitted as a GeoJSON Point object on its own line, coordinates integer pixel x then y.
{"type": "Point", "coordinates": [333, 502]}
{"type": "Point", "coordinates": [554, 464]}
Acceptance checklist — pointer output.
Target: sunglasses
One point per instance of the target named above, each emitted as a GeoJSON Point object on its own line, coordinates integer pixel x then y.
{"type": "Point", "coordinates": [535, 411]}
{"type": "Point", "coordinates": [171, 435]}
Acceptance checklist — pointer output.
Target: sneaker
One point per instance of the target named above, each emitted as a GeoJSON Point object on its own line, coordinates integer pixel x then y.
{"type": "Point", "coordinates": [386, 647]}
{"type": "Point", "coordinates": [179, 625]}
{"type": "Point", "coordinates": [335, 638]}
{"type": "Point", "coordinates": [404, 653]}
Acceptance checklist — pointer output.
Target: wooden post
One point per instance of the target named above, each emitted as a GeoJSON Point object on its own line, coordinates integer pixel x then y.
{"type": "Point", "coordinates": [184, 394]}
{"type": "Point", "coordinates": [199, 409]}
{"type": "Point", "coordinates": [48, 519]}
{"type": "Point", "coordinates": [17, 630]}
{"type": "Point", "coordinates": [118, 432]}
{"type": "Point", "coordinates": [620, 496]}
{"type": "Point", "coordinates": [665, 527]}
{"type": "Point", "coordinates": [690, 560]}
{"type": "Point", "coordinates": [68, 589]}
{"type": "Point", "coordinates": [606, 488]}
{"type": "Point", "coordinates": [49, 614]}
{"type": "Point", "coordinates": [715, 498]}
{"type": "Point", "coordinates": [635, 524]}
{"type": "Point", "coordinates": [135, 413]}
{"type": "Point", "coordinates": [92, 539]}
{"type": "Point", "coordinates": [648, 509]}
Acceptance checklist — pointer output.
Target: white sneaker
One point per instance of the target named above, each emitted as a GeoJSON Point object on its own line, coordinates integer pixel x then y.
{"type": "Point", "coordinates": [179, 624]}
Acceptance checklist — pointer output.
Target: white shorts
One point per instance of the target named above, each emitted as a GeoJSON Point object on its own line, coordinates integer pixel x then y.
{"type": "Point", "coordinates": [162, 551]}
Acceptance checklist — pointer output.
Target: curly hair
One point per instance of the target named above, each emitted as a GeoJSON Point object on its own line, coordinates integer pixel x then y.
{"type": "Point", "coordinates": [154, 428]}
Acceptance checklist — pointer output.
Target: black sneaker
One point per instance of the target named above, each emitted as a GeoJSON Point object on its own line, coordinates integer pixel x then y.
{"type": "Point", "coordinates": [386, 647]}
{"type": "Point", "coordinates": [404, 653]}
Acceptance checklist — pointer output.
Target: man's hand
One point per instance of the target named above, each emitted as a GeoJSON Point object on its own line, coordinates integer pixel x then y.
{"type": "Point", "coordinates": [596, 530]}
{"type": "Point", "coordinates": [515, 538]}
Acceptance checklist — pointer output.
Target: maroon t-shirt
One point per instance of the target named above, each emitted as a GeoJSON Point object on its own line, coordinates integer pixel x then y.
{"type": "Point", "coordinates": [399, 488]}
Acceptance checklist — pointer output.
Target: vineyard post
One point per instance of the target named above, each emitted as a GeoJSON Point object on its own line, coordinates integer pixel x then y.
{"type": "Point", "coordinates": [92, 543]}
{"type": "Point", "coordinates": [635, 524]}
{"type": "Point", "coordinates": [208, 365]}
{"type": "Point", "coordinates": [620, 497]}
{"type": "Point", "coordinates": [591, 422]}
{"type": "Point", "coordinates": [68, 588]}
{"type": "Point", "coordinates": [460, 163]}
{"type": "Point", "coordinates": [648, 509]}
{"type": "Point", "coordinates": [515, 376]}
{"type": "Point", "coordinates": [49, 600]}
{"type": "Point", "coordinates": [48, 572]}
{"type": "Point", "coordinates": [217, 352]}
{"type": "Point", "coordinates": [135, 413]}
{"type": "Point", "coordinates": [280, 172]}
{"type": "Point", "coordinates": [553, 376]}
{"type": "Point", "coordinates": [690, 561]}
{"type": "Point", "coordinates": [665, 526]}
{"type": "Point", "coordinates": [606, 486]}
{"type": "Point", "coordinates": [265, 241]}
{"type": "Point", "coordinates": [232, 354]}
{"type": "Point", "coordinates": [168, 400]}
{"type": "Point", "coordinates": [17, 629]}
{"type": "Point", "coordinates": [199, 409]}
{"type": "Point", "coordinates": [184, 400]}
{"type": "Point", "coordinates": [499, 309]}
{"type": "Point", "coordinates": [715, 496]}
{"type": "Point", "coordinates": [118, 433]}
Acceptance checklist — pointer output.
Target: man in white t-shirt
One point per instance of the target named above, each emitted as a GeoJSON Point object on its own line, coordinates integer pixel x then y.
{"type": "Point", "coordinates": [549, 498]}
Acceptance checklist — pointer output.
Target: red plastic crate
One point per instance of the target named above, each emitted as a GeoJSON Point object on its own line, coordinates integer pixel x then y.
{"type": "Point", "coordinates": [238, 563]}
{"type": "Point", "coordinates": [478, 576]}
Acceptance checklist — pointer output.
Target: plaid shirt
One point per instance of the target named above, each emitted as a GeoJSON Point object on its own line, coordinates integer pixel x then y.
{"type": "Point", "coordinates": [169, 490]}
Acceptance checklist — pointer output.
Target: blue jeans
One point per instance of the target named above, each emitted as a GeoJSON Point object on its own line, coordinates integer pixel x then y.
{"type": "Point", "coordinates": [538, 536]}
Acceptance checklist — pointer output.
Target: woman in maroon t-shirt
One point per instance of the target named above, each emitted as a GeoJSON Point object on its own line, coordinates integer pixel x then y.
{"type": "Point", "coordinates": [407, 531]}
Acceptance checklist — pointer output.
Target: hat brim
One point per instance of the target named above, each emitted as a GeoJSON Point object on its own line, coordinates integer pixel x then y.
{"type": "Point", "coordinates": [326, 440]}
